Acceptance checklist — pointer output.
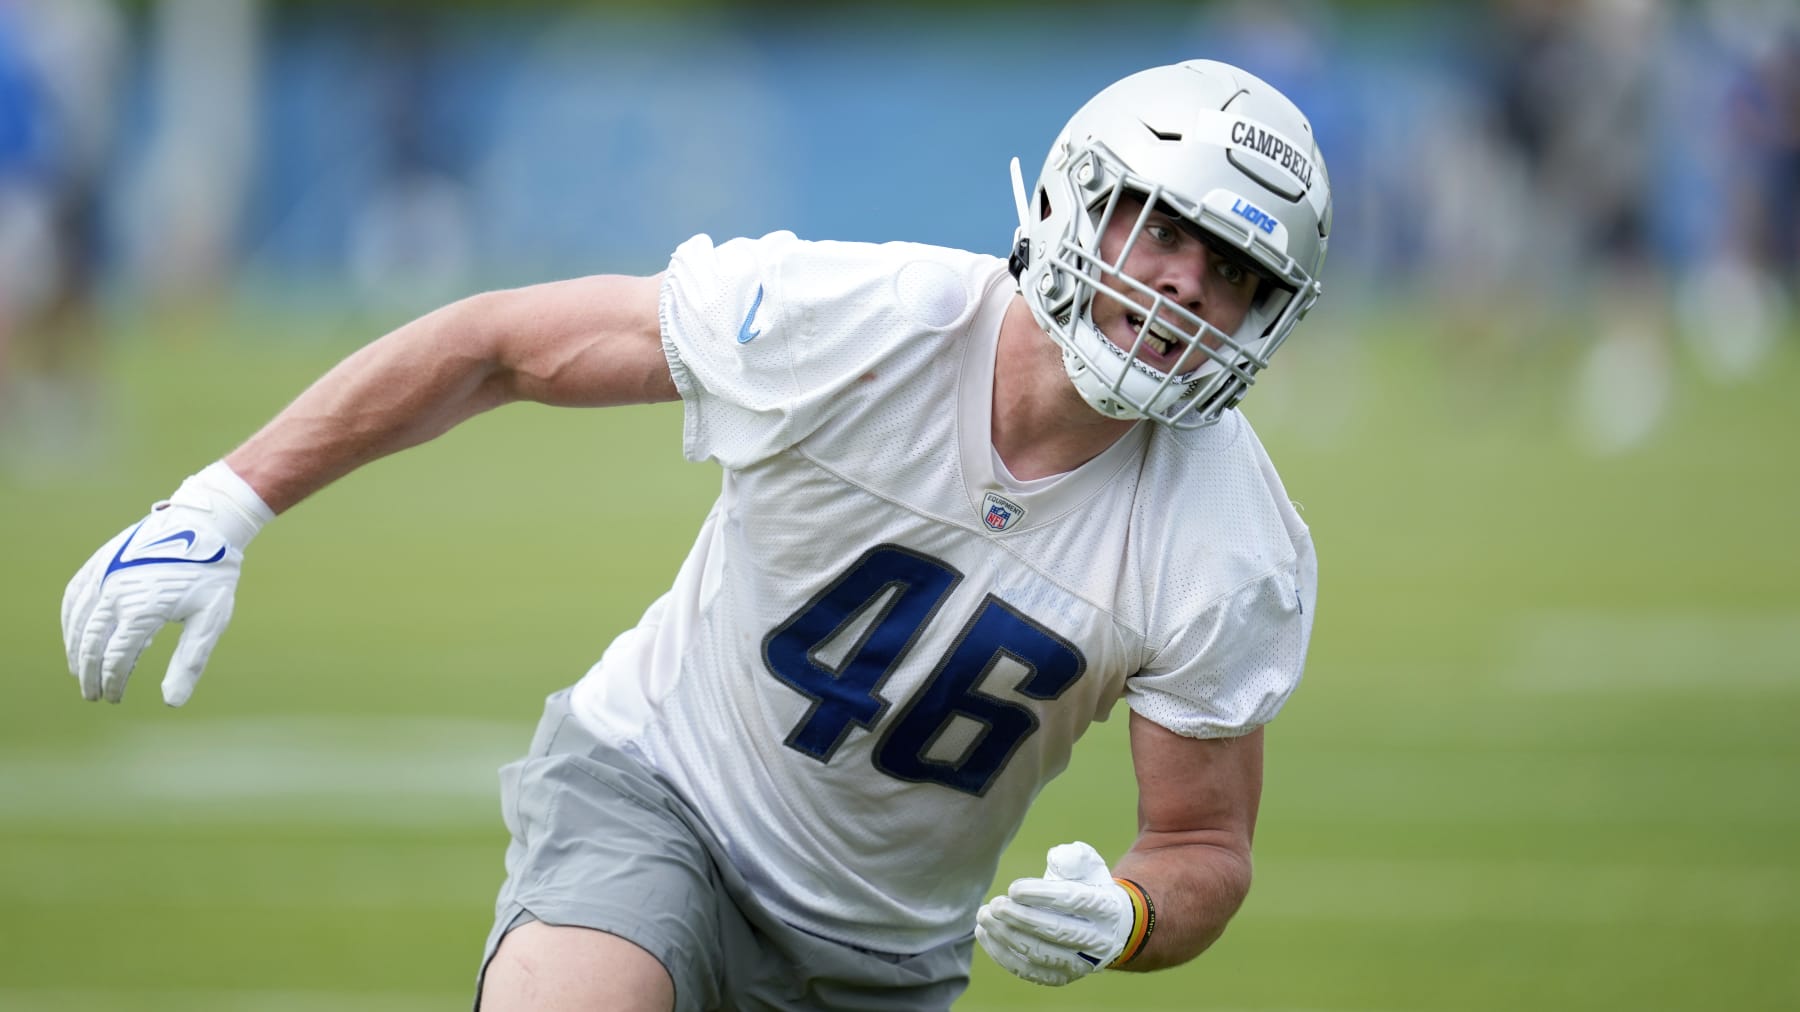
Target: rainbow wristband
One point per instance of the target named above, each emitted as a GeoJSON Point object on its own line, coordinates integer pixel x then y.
{"type": "Point", "coordinates": [1143, 921]}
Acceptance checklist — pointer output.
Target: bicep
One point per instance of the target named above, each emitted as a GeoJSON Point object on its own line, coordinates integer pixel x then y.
{"type": "Point", "coordinates": [585, 342]}
{"type": "Point", "coordinates": [1196, 790]}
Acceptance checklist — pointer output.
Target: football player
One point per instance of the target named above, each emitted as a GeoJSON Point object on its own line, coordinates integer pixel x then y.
{"type": "Point", "coordinates": [969, 505]}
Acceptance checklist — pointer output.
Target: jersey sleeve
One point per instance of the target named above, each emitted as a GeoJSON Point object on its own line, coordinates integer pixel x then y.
{"type": "Point", "coordinates": [1228, 671]}
{"type": "Point", "coordinates": [766, 338]}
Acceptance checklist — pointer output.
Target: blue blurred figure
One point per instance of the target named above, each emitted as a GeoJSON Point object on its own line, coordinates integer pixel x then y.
{"type": "Point", "coordinates": [58, 62]}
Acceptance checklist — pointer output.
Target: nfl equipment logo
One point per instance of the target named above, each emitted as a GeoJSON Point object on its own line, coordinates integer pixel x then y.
{"type": "Point", "coordinates": [1000, 513]}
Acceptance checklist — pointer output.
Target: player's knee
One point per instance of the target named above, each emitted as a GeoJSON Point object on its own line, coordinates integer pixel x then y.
{"type": "Point", "coordinates": [548, 968]}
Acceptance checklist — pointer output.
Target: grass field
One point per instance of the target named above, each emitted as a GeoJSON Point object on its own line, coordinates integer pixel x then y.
{"type": "Point", "coordinates": [1547, 755]}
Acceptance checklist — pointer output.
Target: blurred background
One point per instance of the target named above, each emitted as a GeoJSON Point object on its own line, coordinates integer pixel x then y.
{"type": "Point", "coordinates": [1548, 750]}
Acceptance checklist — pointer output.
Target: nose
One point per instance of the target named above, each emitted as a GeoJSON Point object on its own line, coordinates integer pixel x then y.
{"type": "Point", "coordinates": [1181, 277]}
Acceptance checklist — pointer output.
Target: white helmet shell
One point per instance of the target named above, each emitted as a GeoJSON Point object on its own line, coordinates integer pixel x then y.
{"type": "Point", "coordinates": [1224, 151]}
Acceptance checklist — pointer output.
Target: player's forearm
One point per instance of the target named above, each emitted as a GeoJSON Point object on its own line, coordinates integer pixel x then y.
{"type": "Point", "coordinates": [401, 390]}
{"type": "Point", "coordinates": [1195, 888]}
{"type": "Point", "coordinates": [590, 342]}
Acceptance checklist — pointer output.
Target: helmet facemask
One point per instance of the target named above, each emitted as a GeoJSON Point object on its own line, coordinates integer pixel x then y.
{"type": "Point", "coordinates": [1064, 271]}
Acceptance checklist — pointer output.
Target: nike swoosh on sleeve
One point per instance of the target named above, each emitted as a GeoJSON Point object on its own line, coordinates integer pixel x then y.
{"type": "Point", "coordinates": [745, 334]}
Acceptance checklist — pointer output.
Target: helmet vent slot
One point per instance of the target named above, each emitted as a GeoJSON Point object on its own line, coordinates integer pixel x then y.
{"type": "Point", "coordinates": [1162, 135]}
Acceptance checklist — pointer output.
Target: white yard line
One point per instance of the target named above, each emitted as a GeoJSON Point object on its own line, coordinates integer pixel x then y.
{"type": "Point", "coordinates": [351, 769]}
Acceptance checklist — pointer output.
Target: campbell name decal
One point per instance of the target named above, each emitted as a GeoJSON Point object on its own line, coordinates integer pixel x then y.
{"type": "Point", "coordinates": [1253, 138]}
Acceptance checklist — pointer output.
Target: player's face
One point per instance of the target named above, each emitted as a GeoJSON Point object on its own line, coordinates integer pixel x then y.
{"type": "Point", "coordinates": [1171, 258]}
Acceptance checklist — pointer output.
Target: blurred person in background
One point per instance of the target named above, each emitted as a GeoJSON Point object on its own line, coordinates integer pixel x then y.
{"type": "Point", "coordinates": [59, 66]}
{"type": "Point", "coordinates": [1764, 116]}
{"type": "Point", "coordinates": [1771, 110]}
{"type": "Point", "coordinates": [969, 505]}
{"type": "Point", "coordinates": [1574, 100]}
{"type": "Point", "coordinates": [183, 203]}
{"type": "Point", "coordinates": [411, 244]}
{"type": "Point", "coordinates": [1754, 284]}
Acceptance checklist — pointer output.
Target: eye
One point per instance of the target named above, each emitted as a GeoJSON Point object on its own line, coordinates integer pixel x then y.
{"type": "Point", "coordinates": [1233, 273]}
{"type": "Point", "coordinates": [1160, 231]}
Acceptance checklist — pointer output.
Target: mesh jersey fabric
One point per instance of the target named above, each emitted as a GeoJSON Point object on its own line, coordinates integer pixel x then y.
{"type": "Point", "coordinates": [866, 750]}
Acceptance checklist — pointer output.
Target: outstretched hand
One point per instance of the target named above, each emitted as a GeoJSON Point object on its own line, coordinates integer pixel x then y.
{"type": "Point", "coordinates": [179, 564]}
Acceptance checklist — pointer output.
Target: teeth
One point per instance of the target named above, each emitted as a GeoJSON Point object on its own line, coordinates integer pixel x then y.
{"type": "Point", "coordinates": [1158, 343]}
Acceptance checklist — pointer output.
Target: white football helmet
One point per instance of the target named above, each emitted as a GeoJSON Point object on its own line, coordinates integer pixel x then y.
{"type": "Point", "coordinates": [1221, 149]}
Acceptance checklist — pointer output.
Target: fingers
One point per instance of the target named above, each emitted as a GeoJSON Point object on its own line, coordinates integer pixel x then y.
{"type": "Point", "coordinates": [91, 650]}
{"type": "Point", "coordinates": [195, 648]}
{"type": "Point", "coordinates": [116, 603]}
{"type": "Point", "coordinates": [1080, 898]}
{"type": "Point", "coordinates": [1023, 955]}
{"type": "Point", "coordinates": [1049, 924]}
{"type": "Point", "coordinates": [109, 649]}
{"type": "Point", "coordinates": [78, 604]}
{"type": "Point", "coordinates": [1001, 951]}
{"type": "Point", "coordinates": [1058, 928]}
{"type": "Point", "coordinates": [1014, 962]}
{"type": "Point", "coordinates": [78, 608]}
{"type": "Point", "coordinates": [1043, 923]}
{"type": "Point", "coordinates": [127, 644]}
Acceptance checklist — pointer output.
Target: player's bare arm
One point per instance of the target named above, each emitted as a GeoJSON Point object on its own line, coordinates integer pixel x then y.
{"type": "Point", "coordinates": [591, 341]}
{"type": "Point", "coordinates": [1197, 802]}
{"type": "Point", "coordinates": [1169, 897]}
{"type": "Point", "coordinates": [587, 342]}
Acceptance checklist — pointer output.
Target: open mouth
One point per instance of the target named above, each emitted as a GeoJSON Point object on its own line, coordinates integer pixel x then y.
{"type": "Point", "coordinates": [1158, 338]}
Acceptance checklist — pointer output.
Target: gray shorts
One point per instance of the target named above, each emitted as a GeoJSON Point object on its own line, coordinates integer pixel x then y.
{"type": "Point", "coordinates": [601, 841]}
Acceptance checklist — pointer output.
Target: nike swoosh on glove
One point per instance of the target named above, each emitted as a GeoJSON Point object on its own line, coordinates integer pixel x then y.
{"type": "Point", "coordinates": [179, 564]}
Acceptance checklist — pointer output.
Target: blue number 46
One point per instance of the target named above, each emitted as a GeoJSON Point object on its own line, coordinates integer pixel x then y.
{"type": "Point", "coordinates": [904, 590]}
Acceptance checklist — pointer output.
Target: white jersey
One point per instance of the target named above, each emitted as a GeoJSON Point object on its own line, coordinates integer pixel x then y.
{"type": "Point", "coordinates": [881, 647]}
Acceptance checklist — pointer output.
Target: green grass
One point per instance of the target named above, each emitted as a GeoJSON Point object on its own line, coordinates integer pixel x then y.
{"type": "Point", "coordinates": [1547, 754]}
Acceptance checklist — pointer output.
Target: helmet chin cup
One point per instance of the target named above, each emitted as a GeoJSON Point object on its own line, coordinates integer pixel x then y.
{"type": "Point", "coordinates": [1094, 389]}
{"type": "Point", "coordinates": [1229, 155]}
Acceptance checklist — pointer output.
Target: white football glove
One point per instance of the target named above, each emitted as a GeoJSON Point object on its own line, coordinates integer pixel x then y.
{"type": "Point", "coordinates": [179, 564]}
{"type": "Point", "coordinates": [1064, 926]}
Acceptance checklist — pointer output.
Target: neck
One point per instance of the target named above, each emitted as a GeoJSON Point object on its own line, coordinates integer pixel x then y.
{"type": "Point", "coordinates": [1041, 426]}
